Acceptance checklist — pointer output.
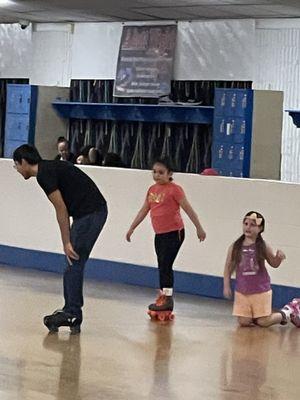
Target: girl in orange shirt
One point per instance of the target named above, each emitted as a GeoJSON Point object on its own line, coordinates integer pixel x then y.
{"type": "Point", "coordinates": [164, 200]}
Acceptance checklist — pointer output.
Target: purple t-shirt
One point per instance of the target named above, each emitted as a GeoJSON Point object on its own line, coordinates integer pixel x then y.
{"type": "Point", "coordinates": [250, 277]}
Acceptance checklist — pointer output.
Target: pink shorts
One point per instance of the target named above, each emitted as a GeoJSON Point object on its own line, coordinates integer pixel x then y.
{"type": "Point", "coordinates": [252, 305]}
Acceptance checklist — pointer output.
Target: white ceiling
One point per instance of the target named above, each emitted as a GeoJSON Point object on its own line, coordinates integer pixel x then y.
{"type": "Point", "coordinates": [143, 10]}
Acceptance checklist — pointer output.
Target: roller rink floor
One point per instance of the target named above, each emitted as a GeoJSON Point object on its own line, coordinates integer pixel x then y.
{"type": "Point", "coordinates": [121, 354]}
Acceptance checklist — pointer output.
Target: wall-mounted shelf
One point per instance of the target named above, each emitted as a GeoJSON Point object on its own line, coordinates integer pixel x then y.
{"type": "Point", "coordinates": [136, 112]}
{"type": "Point", "coordinates": [295, 114]}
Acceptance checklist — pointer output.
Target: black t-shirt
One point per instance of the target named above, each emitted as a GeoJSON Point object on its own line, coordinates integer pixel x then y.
{"type": "Point", "coordinates": [79, 192]}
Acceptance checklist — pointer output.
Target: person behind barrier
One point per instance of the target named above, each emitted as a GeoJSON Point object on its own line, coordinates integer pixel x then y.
{"type": "Point", "coordinates": [63, 149]}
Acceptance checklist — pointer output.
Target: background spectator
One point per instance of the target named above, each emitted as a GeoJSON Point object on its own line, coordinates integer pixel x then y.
{"type": "Point", "coordinates": [209, 171]}
{"type": "Point", "coordinates": [113, 160]}
{"type": "Point", "coordinates": [89, 155]}
{"type": "Point", "coordinates": [63, 150]}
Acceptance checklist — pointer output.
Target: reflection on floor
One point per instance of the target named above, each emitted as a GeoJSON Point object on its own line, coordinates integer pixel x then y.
{"type": "Point", "coordinates": [121, 354]}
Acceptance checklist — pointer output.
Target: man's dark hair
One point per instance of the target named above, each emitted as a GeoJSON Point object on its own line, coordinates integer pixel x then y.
{"type": "Point", "coordinates": [28, 153]}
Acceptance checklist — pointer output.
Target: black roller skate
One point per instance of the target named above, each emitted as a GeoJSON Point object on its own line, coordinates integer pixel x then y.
{"type": "Point", "coordinates": [162, 308]}
{"type": "Point", "coordinates": [61, 318]}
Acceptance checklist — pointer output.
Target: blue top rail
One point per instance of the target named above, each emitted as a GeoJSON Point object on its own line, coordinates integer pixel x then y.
{"type": "Point", "coordinates": [136, 112]}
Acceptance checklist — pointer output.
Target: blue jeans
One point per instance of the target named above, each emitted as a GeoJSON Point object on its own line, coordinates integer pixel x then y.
{"type": "Point", "coordinates": [84, 233]}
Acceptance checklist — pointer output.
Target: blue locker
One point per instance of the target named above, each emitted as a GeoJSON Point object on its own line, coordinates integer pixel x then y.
{"type": "Point", "coordinates": [227, 129]}
{"type": "Point", "coordinates": [220, 102]}
{"type": "Point", "coordinates": [20, 116]}
{"type": "Point", "coordinates": [17, 127]}
{"type": "Point", "coordinates": [222, 171]}
{"type": "Point", "coordinates": [220, 128]}
{"type": "Point", "coordinates": [220, 155]}
{"type": "Point", "coordinates": [18, 99]}
{"type": "Point", "coordinates": [239, 127]}
{"type": "Point", "coordinates": [237, 173]}
{"type": "Point", "coordinates": [232, 130]}
{"type": "Point", "coordinates": [238, 102]}
{"type": "Point", "coordinates": [238, 157]}
{"type": "Point", "coordinates": [244, 103]}
{"type": "Point", "coordinates": [231, 103]}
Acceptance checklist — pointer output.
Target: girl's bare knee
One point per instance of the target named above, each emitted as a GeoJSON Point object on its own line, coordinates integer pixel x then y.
{"type": "Point", "coordinates": [262, 322]}
{"type": "Point", "coordinates": [245, 322]}
{"type": "Point", "coordinates": [265, 322]}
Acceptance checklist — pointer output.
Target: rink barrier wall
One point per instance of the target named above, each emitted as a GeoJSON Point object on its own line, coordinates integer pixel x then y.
{"type": "Point", "coordinates": [185, 282]}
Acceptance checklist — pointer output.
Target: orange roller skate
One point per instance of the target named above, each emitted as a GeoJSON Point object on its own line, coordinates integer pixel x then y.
{"type": "Point", "coordinates": [162, 309]}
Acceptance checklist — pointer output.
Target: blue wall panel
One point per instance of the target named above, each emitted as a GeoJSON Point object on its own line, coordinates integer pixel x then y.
{"type": "Point", "coordinates": [185, 282]}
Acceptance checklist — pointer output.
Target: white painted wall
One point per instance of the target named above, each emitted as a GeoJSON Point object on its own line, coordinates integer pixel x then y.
{"type": "Point", "coordinates": [60, 52]}
{"type": "Point", "coordinates": [278, 68]}
{"type": "Point", "coordinates": [28, 219]}
{"type": "Point", "coordinates": [215, 50]}
{"type": "Point", "coordinates": [206, 50]}
{"type": "Point", "coordinates": [95, 50]}
{"type": "Point", "coordinates": [268, 54]}
{"type": "Point", "coordinates": [51, 58]}
{"type": "Point", "coordinates": [15, 51]}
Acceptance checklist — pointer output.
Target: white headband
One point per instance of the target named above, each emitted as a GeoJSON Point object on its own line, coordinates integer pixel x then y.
{"type": "Point", "coordinates": [255, 218]}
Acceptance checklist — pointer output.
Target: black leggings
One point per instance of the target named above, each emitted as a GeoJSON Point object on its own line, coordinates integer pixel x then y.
{"type": "Point", "coordinates": [167, 246]}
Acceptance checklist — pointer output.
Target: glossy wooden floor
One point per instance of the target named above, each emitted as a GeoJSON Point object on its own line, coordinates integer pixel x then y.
{"type": "Point", "coordinates": [120, 354]}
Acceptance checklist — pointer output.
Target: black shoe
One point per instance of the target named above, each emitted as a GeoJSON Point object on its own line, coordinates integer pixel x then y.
{"type": "Point", "coordinates": [61, 318]}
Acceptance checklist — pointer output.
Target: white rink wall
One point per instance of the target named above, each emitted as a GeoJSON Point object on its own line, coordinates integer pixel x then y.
{"type": "Point", "coordinates": [28, 218]}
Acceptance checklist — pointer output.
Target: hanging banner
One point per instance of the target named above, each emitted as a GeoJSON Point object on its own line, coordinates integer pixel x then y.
{"type": "Point", "coordinates": [145, 63]}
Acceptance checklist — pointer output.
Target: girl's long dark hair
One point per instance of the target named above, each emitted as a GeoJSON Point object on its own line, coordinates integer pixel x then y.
{"type": "Point", "coordinates": [260, 246]}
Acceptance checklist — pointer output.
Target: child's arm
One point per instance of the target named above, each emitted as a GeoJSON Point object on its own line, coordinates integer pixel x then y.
{"type": "Point", "coordinates": [138, 219]}
{"type": "Point", "coordinates": [227, 275]}
{"type": "Point", "coordinates": [193, 217]}
{"type": "Point", "coordinates": [274, 260]}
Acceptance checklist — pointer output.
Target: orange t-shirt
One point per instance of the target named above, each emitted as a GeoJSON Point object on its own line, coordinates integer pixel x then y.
{"type": "Point", "coordinates": [164, 206]}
